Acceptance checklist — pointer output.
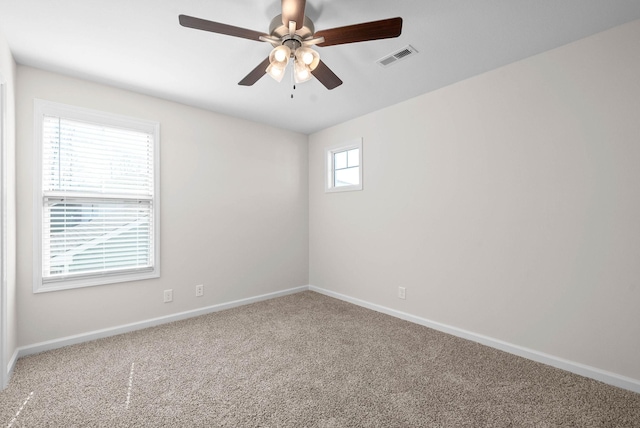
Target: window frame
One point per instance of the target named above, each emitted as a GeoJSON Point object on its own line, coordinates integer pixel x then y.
{"type": "Point", "coordinates": [329, 167]}
{"type": "Point", "coordinates": [42, 108]}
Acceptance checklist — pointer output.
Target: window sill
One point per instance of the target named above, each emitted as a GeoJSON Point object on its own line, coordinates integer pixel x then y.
{"type": "Point", "coordinates": [70, 284]}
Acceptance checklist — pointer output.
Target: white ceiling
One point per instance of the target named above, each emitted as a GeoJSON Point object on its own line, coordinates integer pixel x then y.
{"type": "Point", "coordinates": [138, 45]}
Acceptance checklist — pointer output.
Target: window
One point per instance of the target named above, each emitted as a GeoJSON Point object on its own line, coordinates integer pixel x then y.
{"type": "Point", "coordinates": [344, 167]}
{"type": "Point", "coordinates": [96, 198]}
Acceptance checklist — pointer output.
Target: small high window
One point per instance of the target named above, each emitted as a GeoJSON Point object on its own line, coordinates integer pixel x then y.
{"type": "Point", "coordinates": [344, 167]}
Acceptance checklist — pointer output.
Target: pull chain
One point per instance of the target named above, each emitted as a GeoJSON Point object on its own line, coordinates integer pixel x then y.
{"type": "Point", "coordinates": [293, 82]}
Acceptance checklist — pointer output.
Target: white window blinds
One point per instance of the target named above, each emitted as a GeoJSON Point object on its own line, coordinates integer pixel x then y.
{"type": "Point", "coordinates": [79, 157]}
{"type": "Point", "coordinates": [98, 202]}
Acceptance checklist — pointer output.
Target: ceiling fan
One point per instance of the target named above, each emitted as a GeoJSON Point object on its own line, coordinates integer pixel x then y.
{"type": "Point", "coordinates": [292, 34]}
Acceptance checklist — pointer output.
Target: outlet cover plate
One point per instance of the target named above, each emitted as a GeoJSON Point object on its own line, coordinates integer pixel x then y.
{"type": "Point", "coordinates": [402, 292]}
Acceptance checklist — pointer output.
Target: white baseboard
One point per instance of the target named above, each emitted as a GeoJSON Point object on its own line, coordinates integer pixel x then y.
{"type": "Point", "coordinates": [551, 360]}
{"type": "Point", "coordinates": [112, 331]}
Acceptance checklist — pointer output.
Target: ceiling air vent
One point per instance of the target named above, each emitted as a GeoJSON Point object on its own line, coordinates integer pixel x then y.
{"type": "Point", "coordinates": [403, 53]}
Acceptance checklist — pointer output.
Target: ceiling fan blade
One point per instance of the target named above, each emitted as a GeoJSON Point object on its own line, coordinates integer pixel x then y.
{"type": "Point", "coordinates": [375, 30]}
{"type": "Point", "coordinates": [255, 74]}
{"type": "Point", "coordinates": [293, 10]}
{"type": "Point", "coordinates": [326, 76]}
{"type": "Point", "coordinates": [216, 27]}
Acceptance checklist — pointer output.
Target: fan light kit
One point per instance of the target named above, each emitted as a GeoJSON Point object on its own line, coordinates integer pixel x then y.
{"type": "Point", "coordinates": [291, 47]}
{"type": "Point", "coordinates": [292, 34]}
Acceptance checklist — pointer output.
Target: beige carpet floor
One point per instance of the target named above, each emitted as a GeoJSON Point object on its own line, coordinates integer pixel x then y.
{"type": "Point", "coordinates": [304, 360]}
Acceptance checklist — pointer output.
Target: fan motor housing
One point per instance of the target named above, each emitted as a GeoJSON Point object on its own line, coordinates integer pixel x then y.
{"type": "Point", "coordinates": [279, 30]}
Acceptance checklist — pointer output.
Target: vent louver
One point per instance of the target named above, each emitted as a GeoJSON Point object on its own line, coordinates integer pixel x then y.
{"type": "Point", "coordinates": [403, 53]}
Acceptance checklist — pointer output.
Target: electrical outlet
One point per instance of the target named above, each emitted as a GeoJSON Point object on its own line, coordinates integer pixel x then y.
{"type": "Point", "coordinates": [168, 296]}
{"type": "Point", "coordinates": [402, 292]}
{"type": "Point", "coordinates": [199, 290]}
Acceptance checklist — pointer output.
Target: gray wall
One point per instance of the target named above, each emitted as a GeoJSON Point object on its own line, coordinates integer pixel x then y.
{"type": "Point", "coordinates": [234, 212]}
{"type": "Point", "coordinates": [507, 205]}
